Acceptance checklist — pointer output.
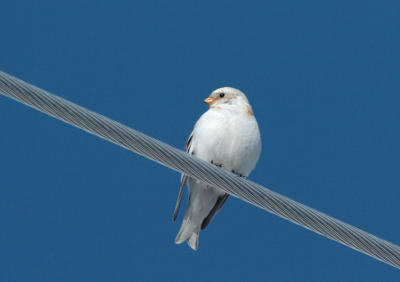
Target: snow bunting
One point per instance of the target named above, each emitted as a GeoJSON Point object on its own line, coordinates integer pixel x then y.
{"type": "Point", "coordinates": [227, 135]}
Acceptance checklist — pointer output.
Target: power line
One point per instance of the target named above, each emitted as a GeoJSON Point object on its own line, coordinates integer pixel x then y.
{"type": "Point", "coordinates": [180, 161]}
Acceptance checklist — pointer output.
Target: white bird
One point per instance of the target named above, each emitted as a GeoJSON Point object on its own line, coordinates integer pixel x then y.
{"type": "Point", "coordinates": [227, 135]}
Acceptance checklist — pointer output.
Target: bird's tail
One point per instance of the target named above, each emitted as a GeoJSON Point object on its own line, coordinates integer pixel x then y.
{"type": "Point", "coordinates": [188, 233]}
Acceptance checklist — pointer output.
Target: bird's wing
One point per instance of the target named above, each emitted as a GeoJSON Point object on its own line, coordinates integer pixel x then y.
{"type": "Point", "coordinates": [178, 201]}
{"type": "Point", "coordinates": [188, 144]}
{"type": "Point", "coordinates": [184, 178]}
{"type": "Point", "coordinates": [218, 205]}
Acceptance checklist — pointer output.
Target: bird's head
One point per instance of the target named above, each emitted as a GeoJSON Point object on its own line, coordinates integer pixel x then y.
{"type": "Point", "coordinates": [226, 95]}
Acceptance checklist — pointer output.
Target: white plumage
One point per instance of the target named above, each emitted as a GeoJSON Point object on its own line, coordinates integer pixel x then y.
{"type": "Point", "coordinates": [227, 135]}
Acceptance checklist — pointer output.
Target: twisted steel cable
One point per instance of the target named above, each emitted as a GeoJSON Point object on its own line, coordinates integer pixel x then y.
{"type": "Point", "coordinates": [182, 162]}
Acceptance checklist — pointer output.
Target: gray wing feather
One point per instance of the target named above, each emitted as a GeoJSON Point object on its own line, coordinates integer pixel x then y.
{"type": "Point", "coordinates": [184, 179]}
{"type": "Point", "coordinates": [178, 201]}
{"type": "Point", "coordinates": [218, 205]}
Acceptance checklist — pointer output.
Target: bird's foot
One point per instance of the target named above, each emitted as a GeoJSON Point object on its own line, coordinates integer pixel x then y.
{"type": "Point", "coordinates": [216, 164]}
{"type": "Point", "coordinates": [238, 174]}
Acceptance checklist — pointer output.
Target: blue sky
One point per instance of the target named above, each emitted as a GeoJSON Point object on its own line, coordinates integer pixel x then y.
{"type": "Point", "coordinates": [323, 80]}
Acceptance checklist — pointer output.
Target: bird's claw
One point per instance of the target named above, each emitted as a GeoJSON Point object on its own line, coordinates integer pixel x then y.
{"type": "Point", "coordinates": [233, 171]}
{"type": "Point", "coordinates": [238, 174]}
{"type": "Point", "coordinates": [216, 164]}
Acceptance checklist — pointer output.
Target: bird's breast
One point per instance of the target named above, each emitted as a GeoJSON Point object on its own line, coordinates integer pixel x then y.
{"type": "Point", "coordinates": [232, 140]}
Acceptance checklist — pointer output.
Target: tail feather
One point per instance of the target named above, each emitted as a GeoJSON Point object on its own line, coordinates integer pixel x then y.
{"type": "Point", "coordinates": [188, 233]}
{"type": "Point", "coordinates": [182, 236]}
{"type": "Point", "coordinates": [193, 241]}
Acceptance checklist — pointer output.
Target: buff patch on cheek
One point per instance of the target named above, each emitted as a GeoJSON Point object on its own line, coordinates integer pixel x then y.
{"type": "Point", "coordinates": [249, 111]}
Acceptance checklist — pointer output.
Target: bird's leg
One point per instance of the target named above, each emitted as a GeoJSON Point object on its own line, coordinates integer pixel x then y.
{"type": "Point", "coordinates": [216, 164]}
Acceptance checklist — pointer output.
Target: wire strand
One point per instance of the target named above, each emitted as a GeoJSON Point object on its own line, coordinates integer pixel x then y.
{"type": "Point", "coordinates": [180, 161]}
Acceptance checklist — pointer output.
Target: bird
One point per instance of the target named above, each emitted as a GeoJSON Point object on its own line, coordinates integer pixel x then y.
{"type": "Point", "coordinates": [226, 135]}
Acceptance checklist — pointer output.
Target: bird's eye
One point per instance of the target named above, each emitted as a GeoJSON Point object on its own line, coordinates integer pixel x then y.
{"type": "Point", "coordinates": [222, 95]}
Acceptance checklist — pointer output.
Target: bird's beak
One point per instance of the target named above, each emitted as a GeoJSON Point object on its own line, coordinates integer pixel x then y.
{"type": "Point", "coordinates": [209, 100]}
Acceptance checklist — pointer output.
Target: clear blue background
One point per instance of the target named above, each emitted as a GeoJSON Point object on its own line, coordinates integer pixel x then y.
{"type": "Point", "coordinates": [323, 79]}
